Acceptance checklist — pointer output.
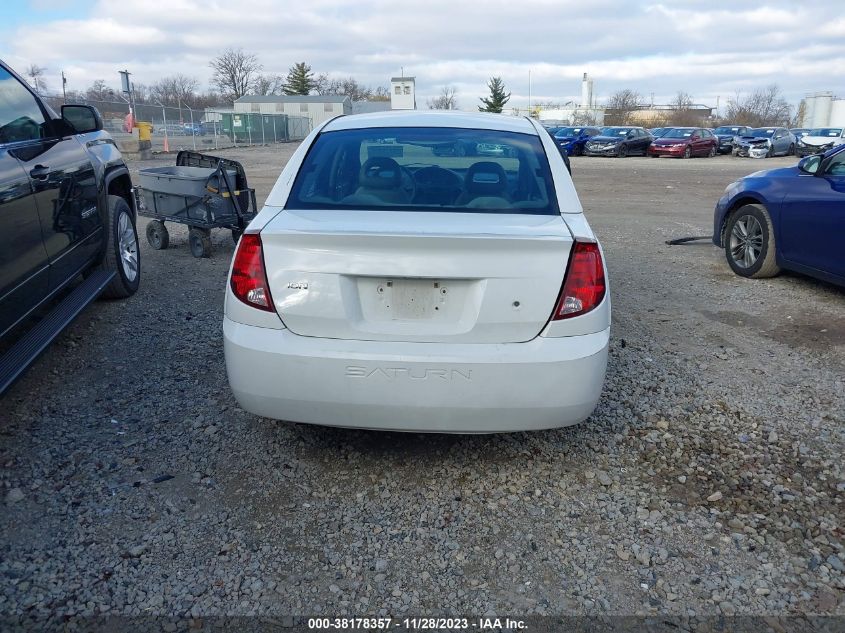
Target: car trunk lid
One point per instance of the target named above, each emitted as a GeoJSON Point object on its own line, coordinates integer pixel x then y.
{"type": "Point", "coordinates": [416, 276]}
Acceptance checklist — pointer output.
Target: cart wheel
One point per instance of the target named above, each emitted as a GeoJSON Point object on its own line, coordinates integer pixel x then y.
{"type": "Point", "coordinates": [200, 242]}
{"type": "Point", "coordinates": [157, 235]}
{"type": "Point", "coordinates": [236, 235]}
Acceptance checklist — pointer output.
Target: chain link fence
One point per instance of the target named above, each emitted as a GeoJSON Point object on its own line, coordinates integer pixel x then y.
{"type": "Point", "coordinates": [175, 129]}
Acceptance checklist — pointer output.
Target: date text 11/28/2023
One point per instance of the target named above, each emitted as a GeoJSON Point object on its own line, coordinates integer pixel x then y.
{"type": "Point", "coordinates": [415, 624]}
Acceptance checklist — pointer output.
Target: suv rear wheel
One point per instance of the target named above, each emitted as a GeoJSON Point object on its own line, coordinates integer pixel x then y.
{"type": "Point", "coordinates": [122, 253]}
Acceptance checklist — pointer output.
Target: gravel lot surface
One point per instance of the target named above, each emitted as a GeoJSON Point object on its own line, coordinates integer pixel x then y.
{"type": "Point", "coordinates": [709, 481]}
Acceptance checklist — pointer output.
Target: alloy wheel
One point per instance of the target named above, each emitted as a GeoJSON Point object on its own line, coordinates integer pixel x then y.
{"type": "Point", "coordinates": [127, 244]}
{"type": "Point", "coordinates": [746, 241]}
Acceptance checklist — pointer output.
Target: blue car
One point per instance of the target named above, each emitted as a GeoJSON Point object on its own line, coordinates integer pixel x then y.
{"type": "Point", "coordinates": [789, 218]}
{"type": "Point", "coordinates": [571, 139]}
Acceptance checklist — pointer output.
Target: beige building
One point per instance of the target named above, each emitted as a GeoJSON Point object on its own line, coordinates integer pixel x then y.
{"type": "Point", "coordinates": [318, 108]}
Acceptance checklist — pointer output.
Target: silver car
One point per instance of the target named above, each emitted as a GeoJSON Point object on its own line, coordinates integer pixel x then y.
{"type": "Point", "coordinates": [764, 142]}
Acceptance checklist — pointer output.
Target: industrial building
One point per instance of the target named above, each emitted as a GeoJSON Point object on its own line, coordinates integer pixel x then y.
{"type": "Point", "coordinates": [317, 108]}
{"type": "Point", "coordinates": [822, 109]}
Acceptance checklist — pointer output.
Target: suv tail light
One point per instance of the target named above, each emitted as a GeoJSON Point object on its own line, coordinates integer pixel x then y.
{"type": "Point", "coordinates": [583, 285]}
{"type": "Point", "coordinates": [249, 279]}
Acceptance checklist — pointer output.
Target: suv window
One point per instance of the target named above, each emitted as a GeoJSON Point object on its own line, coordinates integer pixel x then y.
{"type": "Point", "coordinates": [425, 169]}
{"type": "Point", "coordinates": [21, 118]}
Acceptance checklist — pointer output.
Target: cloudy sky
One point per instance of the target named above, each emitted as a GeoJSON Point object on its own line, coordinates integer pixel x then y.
{"type": "Point", "coordinates": [708, 48]}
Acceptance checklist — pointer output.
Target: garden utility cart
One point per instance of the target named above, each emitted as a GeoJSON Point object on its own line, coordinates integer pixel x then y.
{"type": "Point", "coordinates": [205, 192]}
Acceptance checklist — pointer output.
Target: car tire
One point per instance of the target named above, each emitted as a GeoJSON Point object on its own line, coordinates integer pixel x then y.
{"type": "Point", "coordinates": [750, 242]}
{"type": "Point", "coordinates": [158, 235]}
{"type": "Point", "coordinates": [577, 150]}
{"type": "Point", "coordinates": [199, 241]}
{"type": "Point", "coordinates": [771, 152]}
{"type": "Point", "coordinates": [687, 152]}
{"type": "Point", "coordinates": [791, 151]}
{"type": "Point", "coordinates": [712, 152]}
{"type": "Point", "coordinates": [622, 152]}
{"type": "Point", "coordinates": [122, 255]}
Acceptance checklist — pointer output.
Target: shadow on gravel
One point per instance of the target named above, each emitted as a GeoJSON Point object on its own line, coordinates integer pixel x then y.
{"type": "Point", "coordinates": [434, 447]}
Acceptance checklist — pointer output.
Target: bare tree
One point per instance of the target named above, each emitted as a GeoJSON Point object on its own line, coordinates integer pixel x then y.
{"type": "Point", "coordinates": [583, 117]}
{"type": "Point", "coordinates": [349, 86]}
{"type": "Point", "coordinates": [621, 105]}
{"type": "Point", "coordinates": [446, 100]}
{"type": "Point", "coordinates": [800, 113]}
{"type": "Point", "coordinates": [682, 113]}
{"type": "Point", "coordinates": [175, 90]}
{"type": "Point", "coordinates": [99, 91]}
{"type": "Point", "coordinates": [269, 85]}
{"type": "Point", "coordinates": [381, 93]}
{"type": "Point", "coordinates": [36, 73]}
{"type": "Point", "coordinates": [142, 92]}
{"type": "Point", "coordinates": [234, 72]}
{"type": "Point", "coordinates": [764, 106]}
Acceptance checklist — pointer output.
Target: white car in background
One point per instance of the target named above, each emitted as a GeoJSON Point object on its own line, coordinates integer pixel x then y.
{"type": "Point", "coordinates": [819, 140]}
{"type": "Point", "coordinates": [402, 277]}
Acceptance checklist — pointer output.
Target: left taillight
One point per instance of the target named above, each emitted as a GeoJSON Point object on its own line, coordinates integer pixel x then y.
{"type": "Point", "coordinates": [249, 278]}
{"type": "Point", "coordinates": [583, 286]}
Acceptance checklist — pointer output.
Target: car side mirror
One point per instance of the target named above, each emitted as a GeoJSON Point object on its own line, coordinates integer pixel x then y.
{"type": "Point", "coordinates": [82, 118]}
{"type": "Point", "coordinates": [810, 164]}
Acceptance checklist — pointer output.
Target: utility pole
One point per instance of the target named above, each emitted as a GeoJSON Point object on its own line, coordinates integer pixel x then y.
{"type": "Point", "coordinates": [64, 88]}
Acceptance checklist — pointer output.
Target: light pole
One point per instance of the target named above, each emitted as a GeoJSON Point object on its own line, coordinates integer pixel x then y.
{"type": "Point", "coordinates": [126, 88]}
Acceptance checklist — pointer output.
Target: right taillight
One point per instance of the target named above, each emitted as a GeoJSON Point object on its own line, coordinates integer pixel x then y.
{"type": "Point", "coordinates": [249, 279]}
{"type": "Point", "coordinates": [583, 286]}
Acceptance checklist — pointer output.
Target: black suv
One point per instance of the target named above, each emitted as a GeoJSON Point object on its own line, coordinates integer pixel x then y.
{"type": "Point", "coordinates": [66, 212]}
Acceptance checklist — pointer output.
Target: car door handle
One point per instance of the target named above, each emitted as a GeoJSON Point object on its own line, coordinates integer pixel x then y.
{"type": "Point", "coordinates": [39, 172]}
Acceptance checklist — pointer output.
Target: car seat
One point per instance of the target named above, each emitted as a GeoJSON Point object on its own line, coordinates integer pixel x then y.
{"type": "Point", "coordinates": [487, 180]}
{"type": "Point", "coordinates": [381, 178]}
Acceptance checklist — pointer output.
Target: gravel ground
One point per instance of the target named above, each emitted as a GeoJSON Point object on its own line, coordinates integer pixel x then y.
{"type": "Point", "coordinates": [708, 481]}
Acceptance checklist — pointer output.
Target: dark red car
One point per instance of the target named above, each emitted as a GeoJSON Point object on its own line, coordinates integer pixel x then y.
{"type": "Point", "coordinates": [685, 142]}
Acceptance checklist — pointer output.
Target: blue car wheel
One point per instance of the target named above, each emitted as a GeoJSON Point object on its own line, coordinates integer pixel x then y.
{"type": "Point", "coordinates": [750, 242]}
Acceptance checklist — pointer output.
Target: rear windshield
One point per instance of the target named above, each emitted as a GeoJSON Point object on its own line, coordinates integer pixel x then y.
{"type": "Point", "coordinates": [425, 169]}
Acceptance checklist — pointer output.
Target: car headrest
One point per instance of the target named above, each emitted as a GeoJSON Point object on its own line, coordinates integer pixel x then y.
{"type": "Point", "coordinates": [485, 178]}
{"type": "Point", "coordinates": [380, 172]}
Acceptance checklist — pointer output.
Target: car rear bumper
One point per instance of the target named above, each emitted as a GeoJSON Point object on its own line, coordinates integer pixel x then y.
{"type": "Point", "coordinates": [423, 387]}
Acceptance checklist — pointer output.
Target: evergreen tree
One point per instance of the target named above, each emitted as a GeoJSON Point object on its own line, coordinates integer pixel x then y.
{"type": "Point", "coordinates": [300, 80]}
{"type": "Point", "coordinates": [497, 99]}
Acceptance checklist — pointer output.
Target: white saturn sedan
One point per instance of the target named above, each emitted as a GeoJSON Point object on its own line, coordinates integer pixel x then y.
{"type": "Point", "coordinates": [420, 271]}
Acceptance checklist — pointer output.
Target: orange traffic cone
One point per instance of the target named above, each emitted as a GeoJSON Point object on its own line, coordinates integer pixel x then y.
{"type": "Point", "coordinates": [166, 146]}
